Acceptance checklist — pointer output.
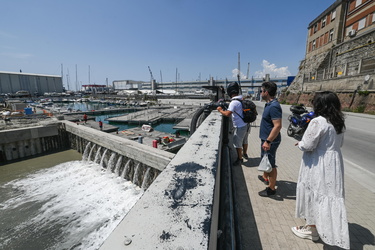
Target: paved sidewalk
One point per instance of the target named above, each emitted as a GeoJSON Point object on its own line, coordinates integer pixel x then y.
{"type": "Point", "coordinates": [265, 222]}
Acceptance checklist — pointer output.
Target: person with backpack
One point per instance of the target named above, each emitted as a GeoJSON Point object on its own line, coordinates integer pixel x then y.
{"type": "Point", "coordinates": [270, 136]}
{"type": "Point", "coordinates": [241, 128]}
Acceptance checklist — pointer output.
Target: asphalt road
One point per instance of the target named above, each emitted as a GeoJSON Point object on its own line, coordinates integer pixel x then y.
{"type": "Point", "coordinates": [359, 145]}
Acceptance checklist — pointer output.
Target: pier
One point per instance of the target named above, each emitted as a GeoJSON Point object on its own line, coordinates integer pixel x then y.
{"type": "Point", "coordinates": [197, 199]}
{"type": "Point", "coordinates": [154, 116]}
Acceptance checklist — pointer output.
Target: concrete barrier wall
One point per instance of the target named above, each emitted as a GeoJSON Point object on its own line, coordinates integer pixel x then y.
{"type": "Point", "coordinates": [16, 144]}
{"type": "Point", "coordinates": [149, 156]}
{"type": "Point", "coordinates": [179, 210]}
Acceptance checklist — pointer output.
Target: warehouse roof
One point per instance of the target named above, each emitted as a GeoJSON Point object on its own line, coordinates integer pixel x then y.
{"type": "Point", "coordinates": [29, 74]}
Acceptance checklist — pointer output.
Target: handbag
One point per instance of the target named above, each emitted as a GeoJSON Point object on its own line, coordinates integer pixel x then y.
{"type": "Point", "coordinates": [265, 164]}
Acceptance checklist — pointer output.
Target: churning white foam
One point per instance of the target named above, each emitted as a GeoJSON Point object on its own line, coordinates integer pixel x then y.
{"type": "Point", "coordinates": [79, 198]}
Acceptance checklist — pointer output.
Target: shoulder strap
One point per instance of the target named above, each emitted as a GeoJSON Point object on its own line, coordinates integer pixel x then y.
{"type": "Point", "coordinates": [235, 99]}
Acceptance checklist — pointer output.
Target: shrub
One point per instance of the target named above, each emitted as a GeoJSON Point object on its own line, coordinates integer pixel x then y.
{"type": "Point", "coordinates": [363, 92]}
{"type": "Point", "coordinates": [359, 109]}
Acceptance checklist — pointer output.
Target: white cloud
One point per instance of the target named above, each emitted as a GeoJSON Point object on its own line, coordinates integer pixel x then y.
{"type": "Point", "coordinates": [272, 70]}
{"type": "Point", "coordinates": [235, 73]}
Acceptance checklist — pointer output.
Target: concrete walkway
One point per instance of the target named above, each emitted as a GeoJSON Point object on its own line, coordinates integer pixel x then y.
{"type": "Point", "coordinates": [265, 222]}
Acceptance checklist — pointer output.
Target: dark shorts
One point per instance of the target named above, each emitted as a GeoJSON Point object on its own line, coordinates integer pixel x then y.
{"type": "Point", "coordinates": [271, 152]}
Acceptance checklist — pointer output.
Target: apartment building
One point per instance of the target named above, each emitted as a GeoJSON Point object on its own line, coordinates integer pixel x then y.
{"type": "Point", "coordinates": [340, 22]}
{"type": "Point", "coordinates": [326, 30]}
{"type": "Point", "coordinates": [360, 18]}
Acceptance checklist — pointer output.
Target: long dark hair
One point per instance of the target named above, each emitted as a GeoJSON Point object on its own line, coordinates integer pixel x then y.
{"type": "Point", "coordinates": [327, 104]}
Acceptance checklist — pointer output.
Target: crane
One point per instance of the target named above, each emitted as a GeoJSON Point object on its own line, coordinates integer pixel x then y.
{"type": "Point", "coordinates": [152, 77]}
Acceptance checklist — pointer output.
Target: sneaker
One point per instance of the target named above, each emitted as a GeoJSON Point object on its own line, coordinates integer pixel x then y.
{"type": "Point", "coordinates": [245, 156]}
{"type": "Point", "coordinates": [265, 181]}
{"type": "Point", "coordinates": [306, 232]}
{"type": "Point", "coordinates": [238, 162]}
{"type": "Point", "coordinates": [267, 192]}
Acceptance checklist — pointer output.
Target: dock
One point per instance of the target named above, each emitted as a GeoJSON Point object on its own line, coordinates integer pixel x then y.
{"type": "Point", "coordinates": [154, 116]}
{"type": "Point", "coordinates": [165, 141]}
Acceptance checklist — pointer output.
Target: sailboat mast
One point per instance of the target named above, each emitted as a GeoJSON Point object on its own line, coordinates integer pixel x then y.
{"type": "Point", "coordinates": [176, 79]}
{"type": "Point", "coordinates": [76, 78]}
{"type": "Point", "coordinates": [62, 74]}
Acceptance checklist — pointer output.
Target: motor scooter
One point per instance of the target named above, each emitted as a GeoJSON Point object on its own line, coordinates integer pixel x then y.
{"type": "Point", "coordinates": [299, 120]}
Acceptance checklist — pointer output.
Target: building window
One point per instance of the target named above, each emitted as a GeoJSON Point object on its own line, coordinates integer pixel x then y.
{"type": "Point", "coordinates": [331, 35]}
{"type": "Point", "coordinates": [361, 23]}
{"type": "Point", "coordinates": [326, 38]}
{"type": "Point", "coordinates": [358, 3]}
{"type": "Point", "coordinates": [373, 17]}
{"type": "Point", "coordinates": [315, 28]}
{"type": "Point", "coordinates": [313, 45]}
{"type": "Point", "coordinates": [311, 31]}
{"type": "Point", "coordinates": [333, 16]}
{"type": "Point", "coordinates": [324, 21]}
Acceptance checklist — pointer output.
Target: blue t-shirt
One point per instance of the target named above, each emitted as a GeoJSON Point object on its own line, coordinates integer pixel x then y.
{"type": "Point", "coordinates": [272, 111]}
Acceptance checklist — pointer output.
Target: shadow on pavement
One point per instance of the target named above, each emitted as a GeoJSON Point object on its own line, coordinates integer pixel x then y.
{"type": "Point", "coordinates": [252, 162]}
{"type": "Point", "coordinates": [286, 190]}
{"type": "Point", "coordinates": [359, 237]}
{"type": "Point", "coordinates": [248, 230]}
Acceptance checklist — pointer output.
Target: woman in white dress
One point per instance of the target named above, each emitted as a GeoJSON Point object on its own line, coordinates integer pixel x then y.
{"type": "Point", "coordinates": [320, 198]}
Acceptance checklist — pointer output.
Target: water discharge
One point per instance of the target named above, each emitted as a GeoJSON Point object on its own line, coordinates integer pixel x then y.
{"type": "Point", "coordinates": [72, 205]}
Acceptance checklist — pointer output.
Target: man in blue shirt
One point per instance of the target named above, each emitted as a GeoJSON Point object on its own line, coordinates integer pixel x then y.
{"type": "Point", "coordinates": [241, 128]}
{"type": "Point", "coordinates": [269, 134]}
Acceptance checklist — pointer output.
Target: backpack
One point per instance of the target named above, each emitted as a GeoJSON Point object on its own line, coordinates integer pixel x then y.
{"type": "Point", "coordinates": [249, 111]}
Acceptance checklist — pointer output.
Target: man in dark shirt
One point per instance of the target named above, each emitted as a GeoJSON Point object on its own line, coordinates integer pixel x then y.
{"type": "Point", "coordinates": [269, 134]}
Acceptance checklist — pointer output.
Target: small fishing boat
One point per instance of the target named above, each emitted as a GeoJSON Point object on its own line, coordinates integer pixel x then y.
{"type": "Point", "coordinates": [147, 128]}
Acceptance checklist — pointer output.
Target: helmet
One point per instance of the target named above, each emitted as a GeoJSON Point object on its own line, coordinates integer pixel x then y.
{"type": "Point", "coordinates": [233, 88]}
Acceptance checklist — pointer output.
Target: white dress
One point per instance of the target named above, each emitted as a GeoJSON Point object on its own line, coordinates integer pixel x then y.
{"type": "Point", "coordinates": [320, 195]}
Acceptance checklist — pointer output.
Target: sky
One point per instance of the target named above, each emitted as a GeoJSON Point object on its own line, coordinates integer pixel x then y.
{"type": "Point", "coordinates": [100, 41]}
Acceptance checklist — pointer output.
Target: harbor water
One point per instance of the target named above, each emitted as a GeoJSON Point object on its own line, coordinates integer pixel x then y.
{"type": "Point", "coordinates": [166, 127]}
{"type": "Point", "coordinates": [59, 201]}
